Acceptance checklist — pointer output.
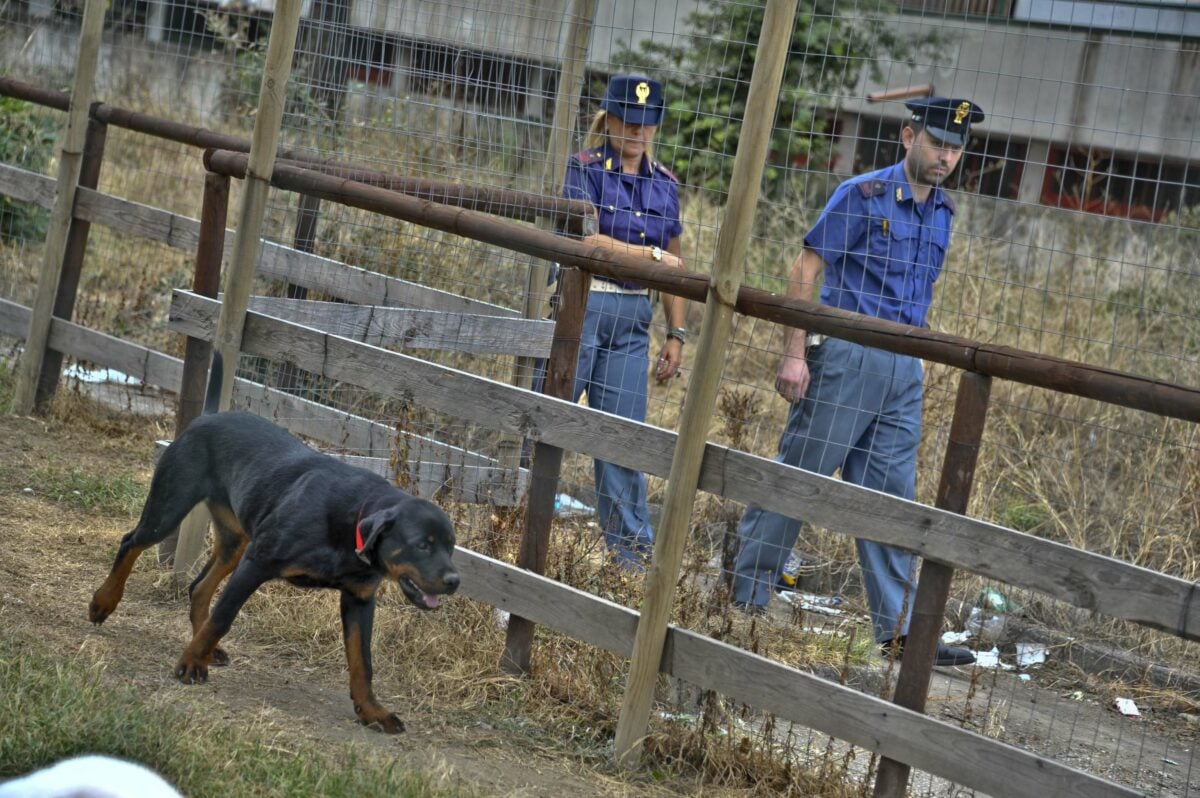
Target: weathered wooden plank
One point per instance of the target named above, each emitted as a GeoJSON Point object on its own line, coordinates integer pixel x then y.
{"type": "Point", "coordinates": [472, 477]}
{"type": "Point", "coordinates": [147, 365]}
{"type": "Point", "coordinates": [363, 286]}
{"type": "Point", "coordinates": [1081, 578]}
{"type": "Point", "coordinates": [469, 476]}
{"type": "Point", "coordinates": [406, 328]}
{"type": "Point", "coordinates": [440, 479]}
{"type": "Point", "coordinates": [26, 186]}
{"type": "Point", "coordinates": [133, 218]}
{"type": "Point", "coordinates": [276, 261]}
{"type": "Point", "coordinates": [14, 318]}
{"type": "Point", "coordinates": [872, 723]}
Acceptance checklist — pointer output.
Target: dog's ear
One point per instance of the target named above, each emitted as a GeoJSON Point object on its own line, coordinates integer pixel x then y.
{"type": "Point", "coordinates": [366, 536]}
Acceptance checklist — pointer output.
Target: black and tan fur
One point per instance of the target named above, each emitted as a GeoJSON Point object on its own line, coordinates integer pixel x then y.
{"type": "Point", "coordinates": [281, 510]}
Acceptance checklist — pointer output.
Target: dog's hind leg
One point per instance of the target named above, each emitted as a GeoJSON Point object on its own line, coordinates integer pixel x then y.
{"type": "Point", "coordinates": [194, 662]}
{"type": "Point", "coordinates": [171, 497]}
{"type": "Point", "coordinates": [358, 618]}
{"type": "Point", "coordinates": [229, 543]}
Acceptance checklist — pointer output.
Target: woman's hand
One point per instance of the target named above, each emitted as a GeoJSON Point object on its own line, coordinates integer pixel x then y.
{"type": "Point", "coordinates": [669, 359]}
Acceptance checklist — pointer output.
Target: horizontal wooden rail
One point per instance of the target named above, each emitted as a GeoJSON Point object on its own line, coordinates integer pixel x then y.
{"type": "Point", "coordinates": [276, 261]}
{"type": "Point", "coordinates": [934, 746]}
{"type": "Point", "coordinates": [469, 476]}
{"type": "Point", "coordinates": [1093, 382]}
{"type": "Point", "coordinates": [406, 328]}
{"type": "Point", "coordinates": [577, 216]}
{"type": "Point", "coordinates": [1087, 580]}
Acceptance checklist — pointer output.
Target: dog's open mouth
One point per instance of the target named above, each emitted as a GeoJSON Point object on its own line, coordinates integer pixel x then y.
{"type": "Point", "coordinates": [418, 596]}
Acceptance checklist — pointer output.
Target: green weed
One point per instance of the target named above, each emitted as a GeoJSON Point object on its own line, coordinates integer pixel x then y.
{"type": "Point", "coordinates": [119, 494]}
{"type": "Point", "coordinates": [66, 708]}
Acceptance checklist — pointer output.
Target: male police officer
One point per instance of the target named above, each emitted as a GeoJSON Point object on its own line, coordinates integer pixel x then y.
{"type": "Point", "coordinates": [880, 242]}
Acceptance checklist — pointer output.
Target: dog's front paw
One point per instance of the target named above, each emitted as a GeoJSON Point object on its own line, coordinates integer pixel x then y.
{"type": "Point", "coordinates": [191, 670]}
{"type": "Point", "coordinates": [381, 721]}
{"type": "Point", "coordinates": [100, 607]}
{"type": "Point", "coordinates": [220, 658]}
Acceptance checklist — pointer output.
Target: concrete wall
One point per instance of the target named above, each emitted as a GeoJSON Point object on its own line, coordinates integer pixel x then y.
{"type": "Point", "coordinates": [1137, 95]}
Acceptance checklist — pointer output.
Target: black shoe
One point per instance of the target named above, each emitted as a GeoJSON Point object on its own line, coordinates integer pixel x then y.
{"type": "Point", "coordinates": [946, 657]}
{"type": "Point", "coordinates": [754, 610]}
{"type": "Point", "coordinates": [953, 656]}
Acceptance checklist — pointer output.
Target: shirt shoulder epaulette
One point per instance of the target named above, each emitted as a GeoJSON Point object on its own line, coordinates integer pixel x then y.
{"type": "Point", "coordinates": [588, 156]}
{"type": "Point", "coordinates": [659, 166]}
{"type": "Point", "coordinates": [872, 188]}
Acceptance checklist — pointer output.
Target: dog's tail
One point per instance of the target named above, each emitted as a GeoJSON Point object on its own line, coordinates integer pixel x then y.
{"type": "Point", "coordinates": [212, 397]}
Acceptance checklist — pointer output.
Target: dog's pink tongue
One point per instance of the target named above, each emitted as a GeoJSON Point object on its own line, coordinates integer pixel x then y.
{"type": "Point", "coordinates": [432, 602]}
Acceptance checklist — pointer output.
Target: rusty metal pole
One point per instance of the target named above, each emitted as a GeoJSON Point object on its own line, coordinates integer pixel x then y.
{"type": "Point", "coordinates": [72, 263]}
{"type": "Point", "coordinates": [933, 587]}
{"type": "Point", "coordinates": [547, 460]}
{"type": "Point", "coordinates": [206, 281]}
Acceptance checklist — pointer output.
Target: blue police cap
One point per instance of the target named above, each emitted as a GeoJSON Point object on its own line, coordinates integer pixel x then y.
{"type": "Point", "coordinates": [947, 120]}
{"type": "Point", "coordinates": [634, 99]}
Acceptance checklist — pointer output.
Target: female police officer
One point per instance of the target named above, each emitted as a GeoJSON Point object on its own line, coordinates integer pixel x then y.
{"type": "Point", "coordinates": [637, 200]}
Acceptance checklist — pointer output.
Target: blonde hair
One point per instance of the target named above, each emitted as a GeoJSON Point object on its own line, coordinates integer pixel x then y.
{"type": "Point", "coordinates": [597, 134]}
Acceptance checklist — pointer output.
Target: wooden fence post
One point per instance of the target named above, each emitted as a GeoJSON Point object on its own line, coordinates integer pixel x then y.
{"type": "Point", "coordinates": [547, 459]}
{"type": "Point", "coordinates": [272, 97]}
{"type": "Point", "coordinates": [72, 262]}
{"type": "Point", "coordinates": [206, 281]}
{"type": "Point", "coordinates": [69, 167]}
{"type": "Point", "coordinates": [933, 586]}
{"type": "Point", "coordinates": [759, 119]}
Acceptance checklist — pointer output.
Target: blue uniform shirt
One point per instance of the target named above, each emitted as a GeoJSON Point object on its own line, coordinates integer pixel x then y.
{"type": "Point", "coordinates": [636, 209]}
{"type": "Point", "coordinates": [882, 250]}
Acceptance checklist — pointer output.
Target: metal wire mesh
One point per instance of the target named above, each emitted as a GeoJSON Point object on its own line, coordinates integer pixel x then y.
{"type": "Point", "coordinates": [1075, 236]}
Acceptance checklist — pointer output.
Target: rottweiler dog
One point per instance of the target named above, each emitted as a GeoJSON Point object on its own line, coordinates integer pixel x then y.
{"type": "Point", "coordinates": [281, 510]}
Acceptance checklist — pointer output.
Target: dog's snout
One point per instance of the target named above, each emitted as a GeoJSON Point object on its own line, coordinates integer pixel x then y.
{"type": "Point", "coordinates": [451, 581]}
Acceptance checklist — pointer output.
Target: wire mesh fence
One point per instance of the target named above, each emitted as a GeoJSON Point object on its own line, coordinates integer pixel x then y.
{"type": "Point", "coordinates": [1075, 236]}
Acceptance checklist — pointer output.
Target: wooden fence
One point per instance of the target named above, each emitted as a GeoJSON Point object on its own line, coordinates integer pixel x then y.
{"type": "Point", "coordinates": [1087, 580]}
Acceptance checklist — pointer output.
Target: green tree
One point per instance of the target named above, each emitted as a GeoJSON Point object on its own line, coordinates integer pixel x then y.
{"type": "Point", "coordinates": [833, 44]}
{"type": "Point", "coordinates": [27, 136]}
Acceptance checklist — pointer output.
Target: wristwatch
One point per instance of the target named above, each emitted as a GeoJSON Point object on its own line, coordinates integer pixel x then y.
{"type": "Point", "coordinates": [678, 333]}
{"type": "Point", "coordinates": [656, 253]}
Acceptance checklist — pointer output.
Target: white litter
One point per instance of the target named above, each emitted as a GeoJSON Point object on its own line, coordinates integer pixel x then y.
{"type": "Point", "coordinates": [99, 375]}
{"type": "Point", "coordinates": [1127, 707]}
{"type": "Point", "coordinates": [1030, 655]}
{"type": "Point", "coordinates": [956, 638]}
{"type": "Point", "coordinates": [991, 659]}
{"type": "Point", "coordinates": [502, 617]}
{"type": "Point", "coordinates": [987, 627]}
{"type": "Point", "coordinates": [823, 605]}
{"type": "Point", "coordinates": [567, 506]}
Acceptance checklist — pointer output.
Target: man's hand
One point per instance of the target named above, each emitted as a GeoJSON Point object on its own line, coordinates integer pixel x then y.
{"type": "Point", "coordinates": [792, 380]}
{"type": "Point", "coordinates": [669, 360]}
